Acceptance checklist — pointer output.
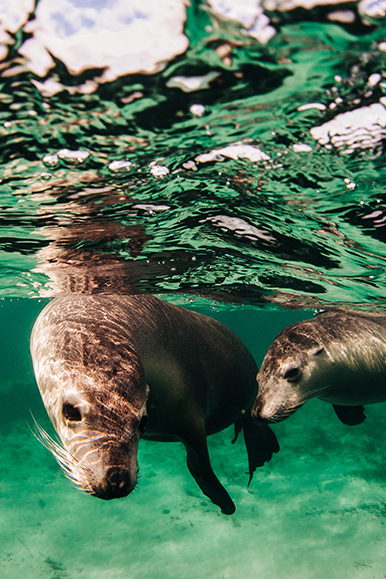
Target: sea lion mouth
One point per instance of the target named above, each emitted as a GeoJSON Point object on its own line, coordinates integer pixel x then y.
{"type": "Point", "coordinates": [269, 419]}
{"type": "Point", "coordinates": [283, 414]}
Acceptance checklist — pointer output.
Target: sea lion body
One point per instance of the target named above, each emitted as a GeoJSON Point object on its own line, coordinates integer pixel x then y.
{"type": "Point", "coordinates": [113, 369]}
{"type": "Point", "coordinates": [338, 356]}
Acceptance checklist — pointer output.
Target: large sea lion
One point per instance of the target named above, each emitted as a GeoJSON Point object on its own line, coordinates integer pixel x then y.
{"type": "Point", "coordinates": [338, 356]}
{"type": "Point", "coordinates": [114, 369]}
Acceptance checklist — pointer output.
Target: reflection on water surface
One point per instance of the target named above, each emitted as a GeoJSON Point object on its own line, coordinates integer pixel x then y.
{"type": "Point", "coordinates": [243, 168]}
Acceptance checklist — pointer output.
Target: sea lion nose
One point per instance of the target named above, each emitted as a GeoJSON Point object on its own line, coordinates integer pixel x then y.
{"type": "Point", "coordinates": [259, 412]}
{"type": "Point", "coordinates": [117, 483]}
{"type": "Point", "coordinates": [256, 409]}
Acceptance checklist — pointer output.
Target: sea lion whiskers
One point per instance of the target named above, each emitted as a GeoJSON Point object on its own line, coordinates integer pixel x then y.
{"type": "Point", "coordinates": [62, 456]}
{"type": "Point", "coordinates": [68, 464]}
{"type": "Point", "coordinates": [312, 393]}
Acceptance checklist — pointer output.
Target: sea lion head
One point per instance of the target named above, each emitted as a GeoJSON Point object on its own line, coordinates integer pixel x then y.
{"type": "Point", "coordinates": [288, 376]}
{"type": "Point", "coordinates": [93, 387]}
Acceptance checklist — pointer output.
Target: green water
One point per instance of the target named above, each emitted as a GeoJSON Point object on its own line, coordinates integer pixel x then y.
{"type": "Point", "coordinates": [296, 222]}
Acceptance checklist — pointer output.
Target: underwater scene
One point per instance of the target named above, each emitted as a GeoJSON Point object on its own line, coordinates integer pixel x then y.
{"type": "Point", "coordinates": [171, 170]}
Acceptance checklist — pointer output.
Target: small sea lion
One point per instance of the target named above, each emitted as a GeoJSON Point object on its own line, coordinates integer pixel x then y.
{"type": "Point", "coordinates": [114, 369]}
{"type": "Point", "coordinates": [338, 356]}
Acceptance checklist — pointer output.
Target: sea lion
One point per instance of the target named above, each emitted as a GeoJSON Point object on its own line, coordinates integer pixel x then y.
{"type": "Point", "coordinates": [114, 369]}
{"type": "Point", "coordinates": [338, 356]}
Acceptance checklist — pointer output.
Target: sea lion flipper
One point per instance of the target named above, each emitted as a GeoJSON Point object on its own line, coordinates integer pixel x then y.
{"type": "Point", "coordinates": [351, 415]}
{"type": "Point", "coordinates": [200, 468]}
{"type": "Point", "coordinates": [238, 428]}
{"type": "Point", "coordinates": [261, 443]}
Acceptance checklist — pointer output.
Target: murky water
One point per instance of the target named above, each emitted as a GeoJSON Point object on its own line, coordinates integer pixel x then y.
{"type": "Point", "coordinates": [230, 160]}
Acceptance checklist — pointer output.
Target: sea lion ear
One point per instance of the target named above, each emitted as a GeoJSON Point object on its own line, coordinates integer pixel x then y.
{"type": "Point", "coordinates": [317, 350]}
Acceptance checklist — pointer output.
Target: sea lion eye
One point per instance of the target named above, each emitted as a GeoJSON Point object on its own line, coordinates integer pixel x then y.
{"type": "Point", "coordinates": [143, 424]}
{"type": "Point", "coordinates": [292, 374]}
{"type": "Point", "coordinates": [71, 413]}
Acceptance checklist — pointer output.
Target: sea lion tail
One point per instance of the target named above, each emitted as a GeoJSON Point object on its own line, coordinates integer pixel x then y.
{"type": "Point", "coordinates": [260, 441]}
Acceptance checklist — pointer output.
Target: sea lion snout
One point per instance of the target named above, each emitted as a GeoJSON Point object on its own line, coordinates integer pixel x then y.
{"type": "Point", "coordinates": [262, 414]}
{"type": "Point", "coordinates": [270, 406]}
{"type": "Point", "coordinates": [260, 411]}
{"type": "Point", "coordinates": [117, 484]}
{"type": "Point", "coordinates": [265, 409]}
{"type": "Point", "coordinates": [257, 410]}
